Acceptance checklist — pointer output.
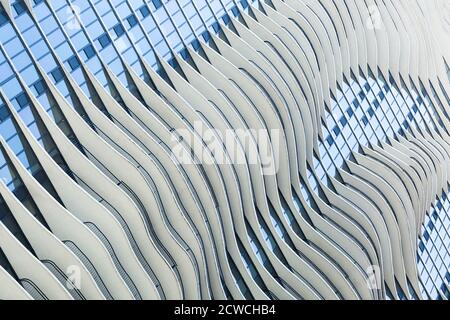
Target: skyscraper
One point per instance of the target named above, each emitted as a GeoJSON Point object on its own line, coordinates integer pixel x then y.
{"type": "Point", "coordinates": [224, 149]}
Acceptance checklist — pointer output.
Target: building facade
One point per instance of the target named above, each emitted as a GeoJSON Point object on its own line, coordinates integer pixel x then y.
{"type": "Point", "coordinates": [224, 149]}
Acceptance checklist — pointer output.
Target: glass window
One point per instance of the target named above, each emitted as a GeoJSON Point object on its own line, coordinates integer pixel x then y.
{"type": "Point", "coordinates": [57, 74]}
{"type": "Point", "coordinates": [104, 40]}
{"type": "Point", "coordinates": [119, 29]}
{"type": "Point", "coordinates": [132, 20]}
{"type": "Point", "coordinates": [19, 7]}
{"type": "Point", "coordinates": [73, 62]}
{"type": "Point", "coordinates": [3, 17]}
{"type": "Point", "coordinates": [144, 10]}
{"type": "Point", "coordinates": [89, 51]}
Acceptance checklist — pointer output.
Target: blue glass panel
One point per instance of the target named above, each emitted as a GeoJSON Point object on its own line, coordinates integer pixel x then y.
{"type": "Point", "coordinates": [3, 17]}
{"type": "Point", "coordinates": [22, 100]}
{"type": "Point", "coordinates": [89, 51]}
{"type": "Point", "coordinates": [57, 74]}
{"type": "Point", "coordinates": [4, 113]}
{"type": "Point", "coordinates": [19, 7]}
{"type": "Point", "coordinates": [39, 86]}
{"type": "Point", "coordinates": [104, 40]}
{"type": "Point", "coordinates": [132, 20]}
{"type": "Point", "coordinates": [157, 3]}
{"type": "Point", "coordinates": [145, 11]}
{"type": "Point", "coordinates": [73, 62]}
{"type": "Point", "coordinates": [119, 30]}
